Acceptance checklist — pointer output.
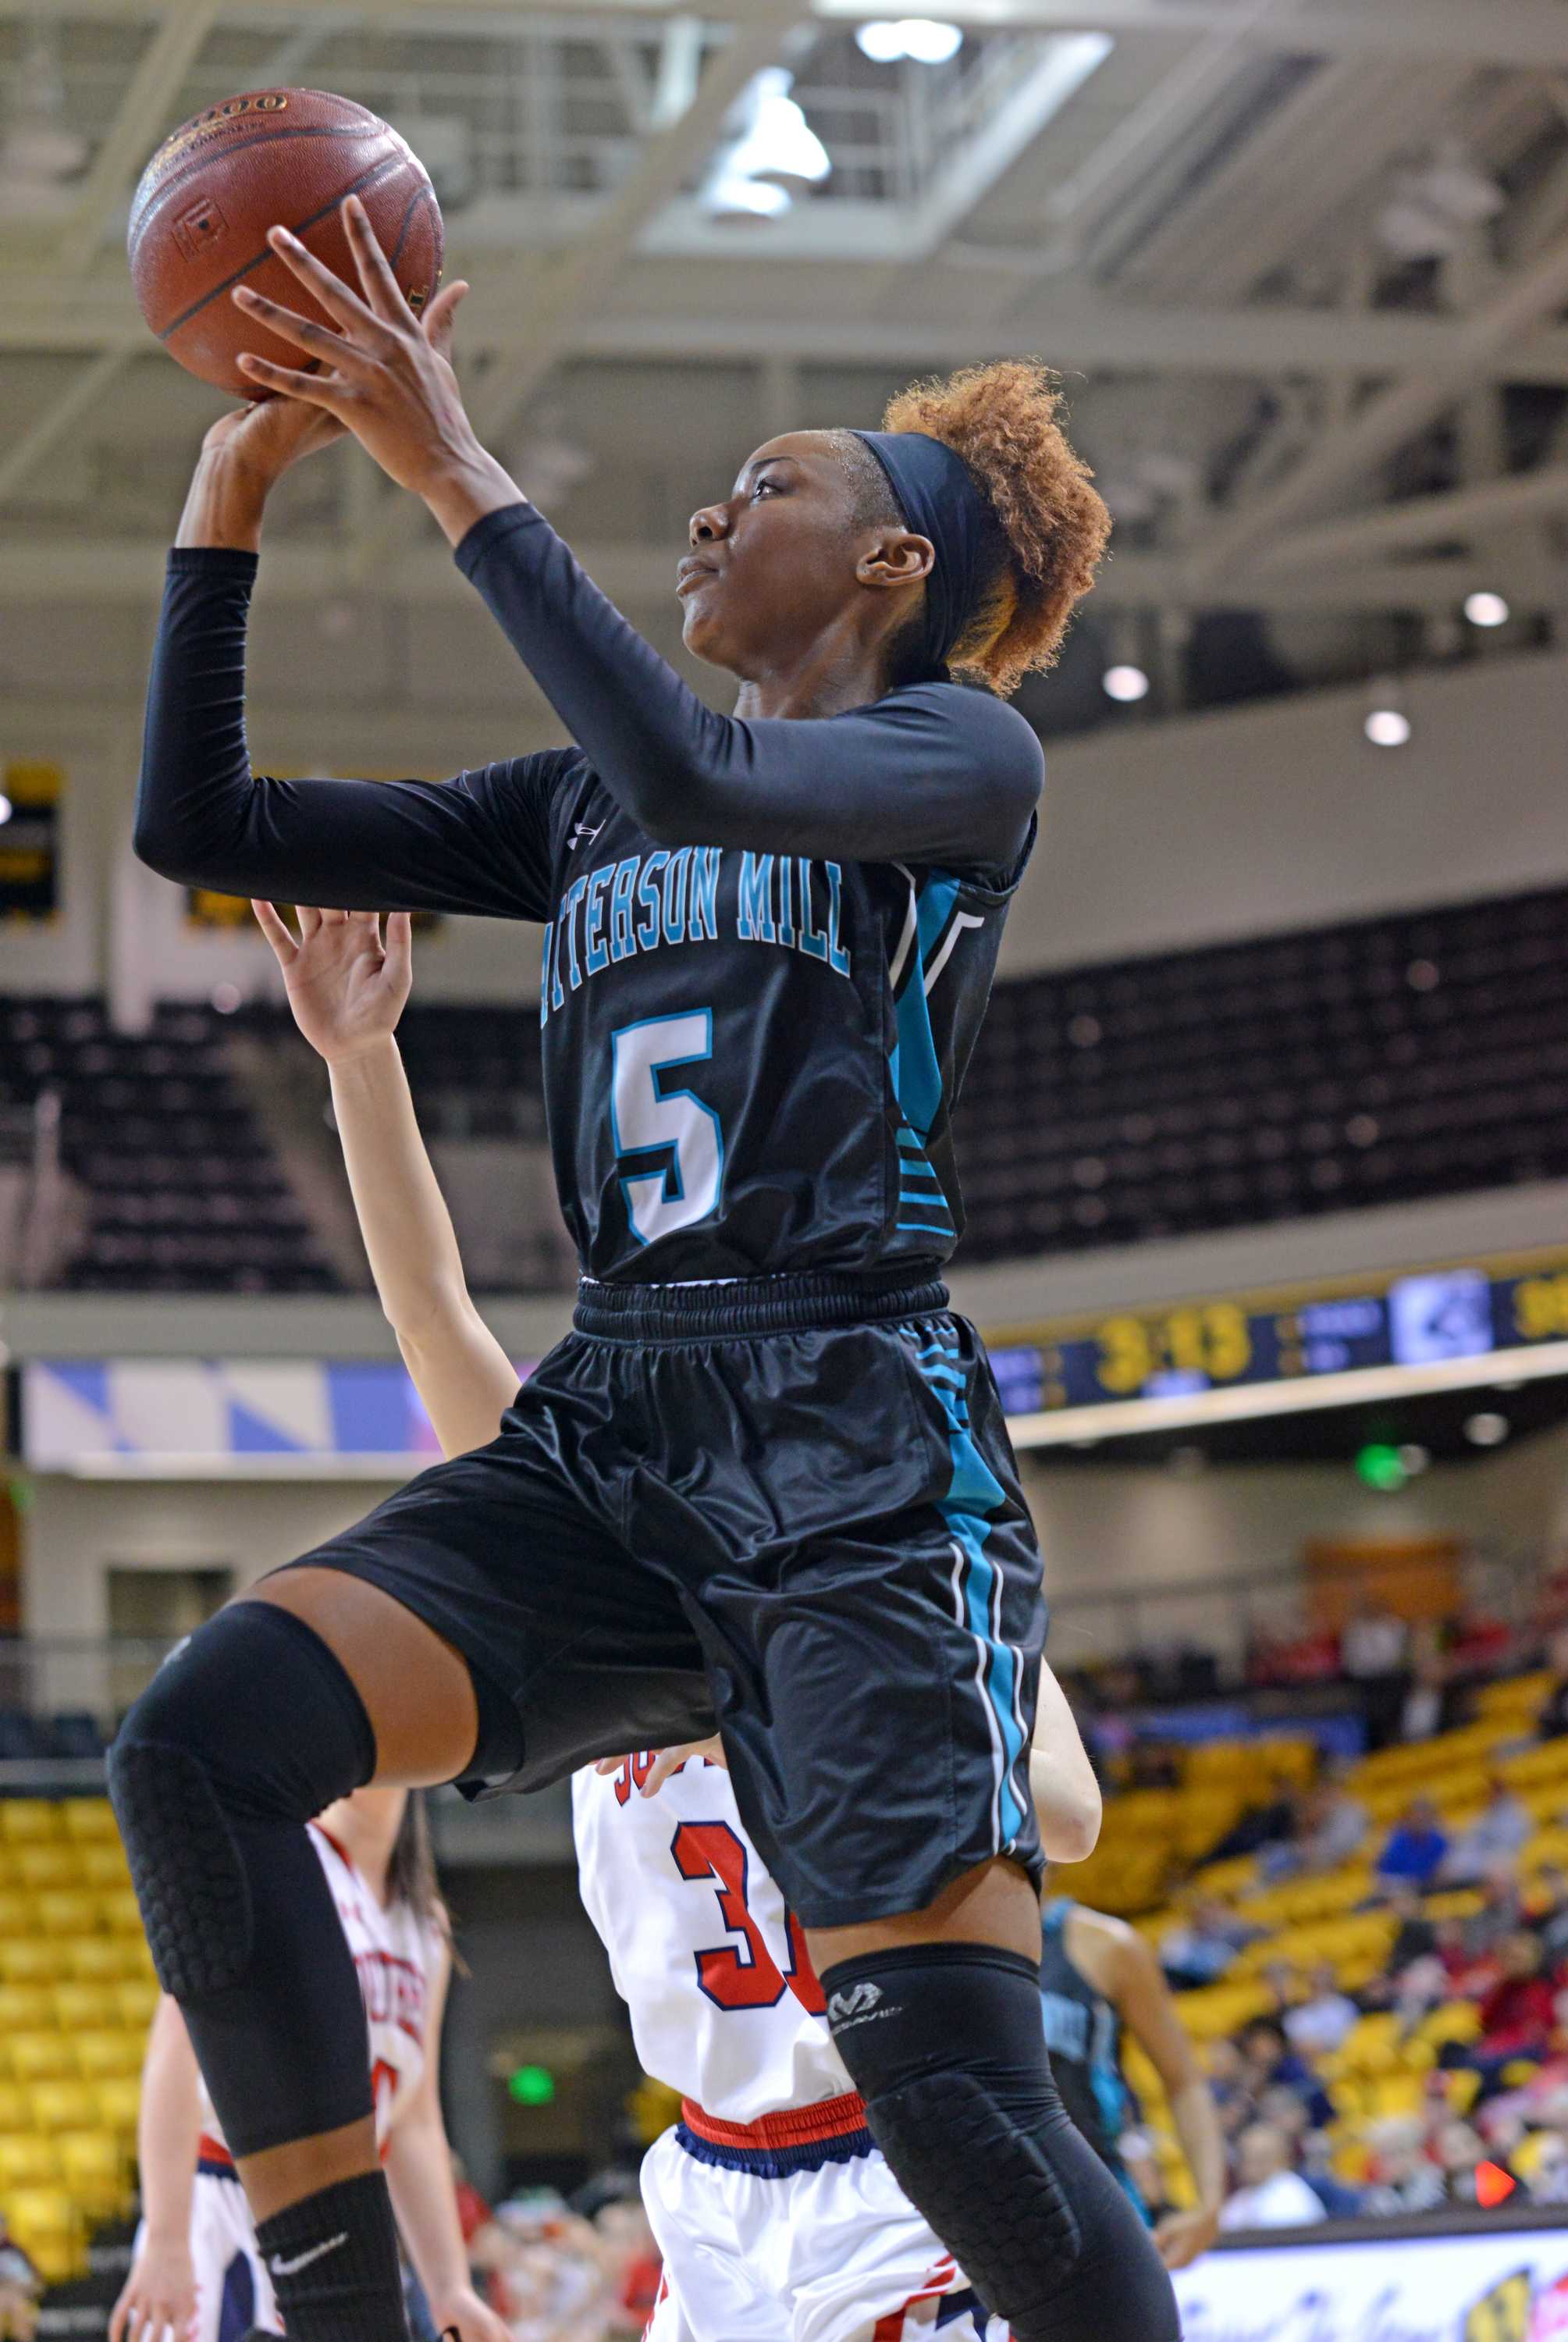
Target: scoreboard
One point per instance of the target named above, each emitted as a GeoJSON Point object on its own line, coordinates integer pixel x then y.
{"type": "Point", "coordinates": [1420, 1320]}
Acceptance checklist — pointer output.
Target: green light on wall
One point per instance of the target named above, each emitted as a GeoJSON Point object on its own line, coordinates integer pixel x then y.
{"type": "Point", "coordinates": [1382, 1467]}
{"type": "Point", "coordinates": [533, 2085]}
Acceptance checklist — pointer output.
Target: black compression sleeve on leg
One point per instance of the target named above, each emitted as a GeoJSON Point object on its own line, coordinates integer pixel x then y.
{"type": "Point", "coordinates": [946, 2045]}
{"type": "Point", "coordinates": [248, 1730]}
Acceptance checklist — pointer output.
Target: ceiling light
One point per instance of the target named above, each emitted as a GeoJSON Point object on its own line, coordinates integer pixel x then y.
{"type": "Point", "coordinates": [922, 38]}
{"type": "Point", "coordinates": [1486, 1430]}
{"type": "Point", "coordinates": [1125, 684]}
{"type": "Point", "coordinates": [6, 810]}
{"type": "Point", "coordinates": [1415, 1457]}
{"type": "Point", "coordinates": [736, 202]}
{"type": "Point", "coordinates": [1387, 727]}
{"type": "Point", "coordinates": [1486, 609]}
{"type": "Point", "coordinates": [781, 147]}
{"type": "Point", "coordinates": [226, 998]}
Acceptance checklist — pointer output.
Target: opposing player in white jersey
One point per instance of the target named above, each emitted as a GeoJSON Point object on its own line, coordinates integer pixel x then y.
{"type": "Point", "coordinates": [197, 2271]}
{"type": "Point", "coordinates": [776, 2216]}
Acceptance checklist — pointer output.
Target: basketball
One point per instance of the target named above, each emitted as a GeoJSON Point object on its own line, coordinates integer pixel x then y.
{"type": "Point", "coordinates": [269, 158]}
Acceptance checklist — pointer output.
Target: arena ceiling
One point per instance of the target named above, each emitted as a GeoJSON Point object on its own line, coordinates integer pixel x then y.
{"type": "Point", "coordinates": [1305, 262]}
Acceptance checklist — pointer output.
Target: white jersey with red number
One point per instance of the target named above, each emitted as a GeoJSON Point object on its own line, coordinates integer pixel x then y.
{"type": "Point", "coordinates": [395, 1956]}
{"type": "Point", "coordinates": [712, 1964]}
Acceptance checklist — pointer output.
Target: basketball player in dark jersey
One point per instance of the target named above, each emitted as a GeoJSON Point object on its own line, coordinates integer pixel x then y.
{"type": "Point", "coordinates": [765, 1480]}
{"type": "Point", "coordinates": [1097, 1979]}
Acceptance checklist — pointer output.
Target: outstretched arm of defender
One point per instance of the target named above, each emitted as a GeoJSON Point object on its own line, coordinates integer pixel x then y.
{"type": "Point", "coordinates": [347, 985]}
{"type": "Point", "coordinates": [1062, 1781]}
{"type": "Point", "coordinates": [159, 2295]}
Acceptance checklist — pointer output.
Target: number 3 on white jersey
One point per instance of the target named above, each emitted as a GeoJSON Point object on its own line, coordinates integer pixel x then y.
{"type": "Point", "coordinates": [643, 1119]}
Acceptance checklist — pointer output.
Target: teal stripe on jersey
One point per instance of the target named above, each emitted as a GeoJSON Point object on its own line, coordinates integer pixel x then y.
{"type": "Point", "coordinates": [916, 1076]}
{"type": "Point", "coordinates": [974, 1493]}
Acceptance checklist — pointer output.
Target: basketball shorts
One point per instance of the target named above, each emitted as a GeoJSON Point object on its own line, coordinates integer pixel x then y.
{"type": "Point", "coordinates": [830, 2254]}
{"type": "Point", "coordinates": [234, 2291]}
{"type": "Point", "coordinates": [787, 1504]}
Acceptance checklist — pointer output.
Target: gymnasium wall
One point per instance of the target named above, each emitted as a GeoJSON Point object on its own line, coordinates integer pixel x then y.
{"type": "Point", "coordinates": [1155, 836]}
{"type": "Point", "coordinates": [1104, 1529]}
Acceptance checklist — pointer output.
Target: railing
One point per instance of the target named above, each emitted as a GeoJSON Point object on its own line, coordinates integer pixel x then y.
{"type": "Point", "coordinates": [35, 1194]}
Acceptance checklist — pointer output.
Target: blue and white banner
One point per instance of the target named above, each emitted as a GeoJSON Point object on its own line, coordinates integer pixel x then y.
{"type": "Point", "coordinates": [1510, 2285]}
{"type": "Point", "coordinates": [161, 1414]}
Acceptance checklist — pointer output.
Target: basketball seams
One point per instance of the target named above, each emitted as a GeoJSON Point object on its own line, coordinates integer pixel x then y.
{"type": "Point", "coordinates": [366, 179]}
{"type": "Point", "coordinates": [261, 136]}
{"type": "Point", "coordinates": [405, 227]}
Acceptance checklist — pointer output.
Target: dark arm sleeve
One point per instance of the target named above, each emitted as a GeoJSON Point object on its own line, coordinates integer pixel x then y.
{"type": "Point", "coordinates": [931, 773]}
{"type": "Point", "coordinates": [478, 843]}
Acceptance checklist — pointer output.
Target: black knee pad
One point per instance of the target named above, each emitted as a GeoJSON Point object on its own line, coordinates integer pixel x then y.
{"type": "Point", "coordinates": [946, 2045]}
{"type": "Point", "coordinates": [253, 1720]}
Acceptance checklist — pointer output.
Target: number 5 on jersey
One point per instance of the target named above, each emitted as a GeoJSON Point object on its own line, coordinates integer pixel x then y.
{"type": "Point", "coordinates": [646, 1118]}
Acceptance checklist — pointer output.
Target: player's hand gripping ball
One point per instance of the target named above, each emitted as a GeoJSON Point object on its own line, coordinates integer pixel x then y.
{"type": "Point", "coordinates": [267, 158]}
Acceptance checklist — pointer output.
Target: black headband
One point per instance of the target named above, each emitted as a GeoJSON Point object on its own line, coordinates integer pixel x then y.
{"type": "Point", "coordinates": [938, 500]}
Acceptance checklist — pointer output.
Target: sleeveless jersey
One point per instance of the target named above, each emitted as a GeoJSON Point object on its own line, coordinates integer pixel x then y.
{"type": "Point", "coordinates": [751, 1060]}
{"type": "Point", "coordinates": [1084, 2034]}
{"type": "Point", "coordinates": [712, 1967]}
{"type": "Point", "coordinates": [396, 1953]}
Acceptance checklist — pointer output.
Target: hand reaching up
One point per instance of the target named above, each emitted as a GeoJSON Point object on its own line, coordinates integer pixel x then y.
{"type": "Point", "coordinates": [347, 982]}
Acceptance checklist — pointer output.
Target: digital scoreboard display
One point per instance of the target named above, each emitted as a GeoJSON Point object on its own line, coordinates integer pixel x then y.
{"type": "Point", "coordinates": [1416, 1320]}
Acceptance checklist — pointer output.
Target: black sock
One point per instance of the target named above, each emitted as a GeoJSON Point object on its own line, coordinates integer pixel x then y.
{"type": "Point", "coordinates": [332, 2261]}
{"type": "Point", "coordinates": [946, 2045]}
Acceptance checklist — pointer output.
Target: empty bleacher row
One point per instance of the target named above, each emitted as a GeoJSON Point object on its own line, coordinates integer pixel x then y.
{"type": "Point", "coordinates": [1419, 1055]}
{"type": "Point", "coordinates": [183, 1192]}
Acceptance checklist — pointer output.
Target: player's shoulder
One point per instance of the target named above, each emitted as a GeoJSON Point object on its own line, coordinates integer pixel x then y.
{"type": "Point", "coordinates": [990, 729]}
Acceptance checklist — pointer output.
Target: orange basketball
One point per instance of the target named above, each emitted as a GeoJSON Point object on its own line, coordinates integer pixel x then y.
{"type": "Point", "coordinates": [270, 158]}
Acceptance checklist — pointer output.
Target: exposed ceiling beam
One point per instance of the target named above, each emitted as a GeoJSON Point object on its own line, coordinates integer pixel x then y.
{"type": "Point", "coordinates": [143, 116]}
{"type": "Point", "coordinates": [1392, 418]}
{"type": "Point", "coordinates": [1073, 327]}
{"type": "Point", "coordinates": [1463, 515]}
{"type": "Point", "coordinates": [579, 280]}
{"type": "Point", "coordinates": [1523, 34]}
{"type": "Point", "coordinates": [81, 393]}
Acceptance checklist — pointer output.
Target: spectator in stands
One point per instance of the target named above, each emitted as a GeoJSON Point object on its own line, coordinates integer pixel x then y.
{"type": "Point", "coordinates": [1229, 2086]}
{"type": "Point", "coordinates": [1493, 1841]}
{"type": "Point", "coordinates": [1319, 2025]}
{"type": "Point", "coordinates": [1416, 1848]}
{"type": "Point", "coordinates": [20, 2286]}
{"type": "Point", "coordinates": [1200, 1952]}
{"type": "Point", "coordinates": [1273, 2194]}
{"type": "Point", "coordinates": [1501, 1914]}
{"type": "Point", "coordinates": [1458, 2148]}
{"type": "Point", "coordinates": [1405, 2179]}
{"type": "Point", "coordinates": [1330, 1826]}
{"type": "Point", "coordinates": [1431, 1702]}
{"type": "Point", "coordinates": [1547, 2169]}
{"type": "Point", "coordinates": [1517, 2012]}
{"type": "Point", "coordinates": [1548, 1912]}
{"type": "Point", "coordinates": [1372, 1650]}
{"type": "Point", "coordinates": [1269, 2062]}
{"type": "Point", "coordinates": [1552, 1718]}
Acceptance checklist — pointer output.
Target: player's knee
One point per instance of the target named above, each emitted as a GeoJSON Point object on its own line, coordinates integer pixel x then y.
{"type": "Point", "coordinates": [249, 1725]}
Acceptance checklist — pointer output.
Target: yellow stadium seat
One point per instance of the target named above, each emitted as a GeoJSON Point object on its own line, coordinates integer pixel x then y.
{"type": "Point", "coordinates": [27, 1959]}
{"type": "Point", "coordinates": [57, 1864]}
{"type": "Point", "coordinates": [42, 2215]}
{"type": "Point", "coordinates": [99, 1959]}
{"type": "Point", "coordinates": [1514, 1696]}
{"type": "Point", "coordinates": [62, 2105]}
{"type": "Point", "coordinates": [1462, 2088]}
{"type": "Point", "coordinates": [1456, 2020]}
{"type": "Point", "coordinates": [77, 2005]}
{"type": "Point", "coordinates": [66, 1914]}
{"type": "Point", "coordinates": [41, 2056]}
{"type": "Point", "coordinates": [9, 1877]}
{"type": "Point", "coordinates": [135, 2002]}
{"type": "Point", "coordinates": [27, 2159]}
{"type": "Point", "coordinates": [119, 2104]}
{"type": "Point", "coordinates": [90, 1818]}
{"type": "Point", "coordinates": [1395, 2094]}
{"type": "Point", "coordinates": [118, 1912]}
{"type": "Point", "coordinates": [93, 2165]}
{"type": "Point", "coordinates": [30, 1819]}
{"type": "Point", "coordinates": [101, 1865]}
{"type": "Point", "coordinates": [24, 2007]}
{"type": "Point", "coordinates": [102, 2055]}
{"type": "Point", "coordinates": [16, 1915]}
{"type": "Point", "coordinates": [15, 2114]}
